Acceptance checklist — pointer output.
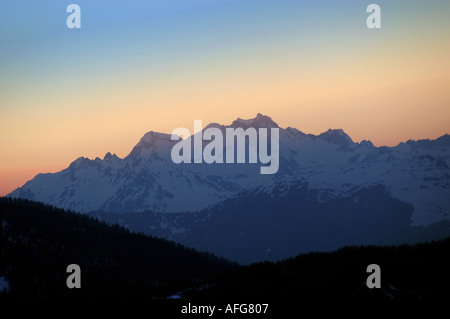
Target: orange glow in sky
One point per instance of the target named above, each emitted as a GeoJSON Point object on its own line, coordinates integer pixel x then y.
{"type": "Point", "coordinates": [60, 103]}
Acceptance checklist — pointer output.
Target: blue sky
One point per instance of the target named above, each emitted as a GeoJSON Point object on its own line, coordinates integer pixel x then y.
{"type": "Point", "coordinates": [137, 66]}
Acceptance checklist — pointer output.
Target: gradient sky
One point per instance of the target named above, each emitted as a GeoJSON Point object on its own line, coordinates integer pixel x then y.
{"type": "Point", "coordinates": [137, 66]}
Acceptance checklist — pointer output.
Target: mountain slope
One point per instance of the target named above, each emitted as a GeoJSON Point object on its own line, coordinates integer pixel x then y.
{"type": "Point", "coordinates": [286, 219]}
{"type": "Point", "coordinates": [328, 192]}
{"type": "Point", "coordinates": [38, 242]}
{"type": "Point", "coordinates": [416, 172]}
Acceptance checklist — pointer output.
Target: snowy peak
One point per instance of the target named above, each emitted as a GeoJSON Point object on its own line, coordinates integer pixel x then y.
{"type": "Point", "coordinates": [416, 172]}
{"type": "Point", "coordinates": [441, 142]}
{"type": "Point", "coordinates": [336, 137]}
{"type": "Point", "coordinates": [366, 143]}
{"type": "Point", "coordinates": [260, 121]}
{"type": "Point", "coordinates": [80, 162]}
{"type": "Point", "coordinates": [152, 138]}
{"type": "Point", "coordinates": [150, 143]}
{"type": "Point", "coordinates": [110, 158]}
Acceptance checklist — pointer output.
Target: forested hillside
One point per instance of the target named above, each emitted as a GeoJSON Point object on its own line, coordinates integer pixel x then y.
{"type": "Point", "coordinates": [38, 242]}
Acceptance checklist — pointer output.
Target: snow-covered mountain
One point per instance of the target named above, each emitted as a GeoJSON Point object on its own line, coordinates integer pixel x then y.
{"type": "Point", "coordinates": [416, 172]}
{"type": "Point", "coordinates": [326, 170]}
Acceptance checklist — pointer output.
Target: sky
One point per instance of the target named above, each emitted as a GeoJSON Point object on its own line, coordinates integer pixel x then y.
{"type": "Point", "coordinates": [138, 66]}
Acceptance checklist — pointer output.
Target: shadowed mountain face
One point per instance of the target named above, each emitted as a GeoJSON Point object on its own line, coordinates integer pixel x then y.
{"type": "Point", "coordinates": [329, 191]}
{"type": "Point", "coordinates": [255, 225]}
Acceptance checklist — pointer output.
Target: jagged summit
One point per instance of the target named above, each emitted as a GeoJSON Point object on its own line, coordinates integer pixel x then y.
{"type": "Point", "coordinates": [80, 162]}
{"type": "Point", "coordinates": [336, 136]}
{"type": "Point", "coordinates": [366, 143]}
{"type": "Point", "coordinates": [259, 121]}
{"type": "Point", "coordinates": [148, 179]}
{"type": "Point", "coordinates": [152, 137]}
{"type": "Point", "coordinates": [443, 141]}
{"type": "Point", "coordinates": [151, 141]}
{"type": "Point", "coordinates": [110, 157]}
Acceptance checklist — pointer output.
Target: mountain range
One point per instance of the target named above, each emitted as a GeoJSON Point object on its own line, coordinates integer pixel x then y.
{"type": "Point", "coordinates": [328, 192]}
